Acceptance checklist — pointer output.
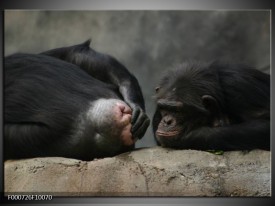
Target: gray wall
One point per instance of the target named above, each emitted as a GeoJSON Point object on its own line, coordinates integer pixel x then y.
{"type": "Point", "coordinates": [147, 42]}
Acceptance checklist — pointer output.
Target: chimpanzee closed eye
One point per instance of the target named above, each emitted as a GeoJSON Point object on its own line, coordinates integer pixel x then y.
{"type": "Point", "coordinates": [71, 102]}
{"type": "Point", "coordinates": [213, 107]}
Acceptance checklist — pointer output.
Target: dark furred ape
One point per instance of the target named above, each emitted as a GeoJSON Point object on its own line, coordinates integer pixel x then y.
{"type": "Point", "coordinates": [72, 102]}
{"type": "Point", "coordinates": [213, 107]}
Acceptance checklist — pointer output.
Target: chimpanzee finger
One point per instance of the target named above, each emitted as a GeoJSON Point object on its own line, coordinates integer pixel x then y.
{"type": "Point", "coordinates": [140, 125]}
{"type": "Point", "coordinates": [141, 118]}
{"type": "Point", "coordinates": [142, 129]}
{"type": "Point", "coordinates": [135, 114]}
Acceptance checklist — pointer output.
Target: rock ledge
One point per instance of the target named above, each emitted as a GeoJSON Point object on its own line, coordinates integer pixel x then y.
{"type": "Point", "coordinates": [145, 172]}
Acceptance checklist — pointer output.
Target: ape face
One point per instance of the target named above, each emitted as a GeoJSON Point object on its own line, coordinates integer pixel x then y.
{"type": "Point", "coordinates": [111, 119]}
{"type": "Point", "coordinates": [105, 123]}
{"type": "Point", "coordinates": [176, 120]}
{"type": "Point", "coordinates": [213, 106]}
{"type": "Point", "coordinates": [180, 108]}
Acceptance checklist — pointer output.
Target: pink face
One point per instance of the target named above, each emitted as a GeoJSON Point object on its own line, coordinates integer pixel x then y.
{"type": "Point", "coordinates": [112, 121]}
{"type": "Point", "coordinates": [122, 119]}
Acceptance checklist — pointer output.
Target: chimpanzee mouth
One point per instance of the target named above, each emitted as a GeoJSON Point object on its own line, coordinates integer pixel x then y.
{"type": "Point", "coordinates": [167, 134]}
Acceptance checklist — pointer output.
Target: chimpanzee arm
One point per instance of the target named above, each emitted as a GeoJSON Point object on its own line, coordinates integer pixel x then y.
{"type": "Point", "coordinates": [245, 136]}
{"type": "Point", "coordinates": [109, 70]}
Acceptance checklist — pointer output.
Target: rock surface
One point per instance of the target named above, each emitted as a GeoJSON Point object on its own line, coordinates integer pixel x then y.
{"type": "Point", "coordinates": [145, 172]}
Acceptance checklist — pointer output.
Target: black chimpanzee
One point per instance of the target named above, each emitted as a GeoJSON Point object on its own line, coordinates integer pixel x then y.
{"type": "Point", "coordinates": [213, 107]}
{"type": "Point", "coordinates": [71, 102]}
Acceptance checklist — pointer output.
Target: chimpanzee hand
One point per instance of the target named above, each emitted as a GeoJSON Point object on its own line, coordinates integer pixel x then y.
{"type": "Point", "coordinates": [140, 121]}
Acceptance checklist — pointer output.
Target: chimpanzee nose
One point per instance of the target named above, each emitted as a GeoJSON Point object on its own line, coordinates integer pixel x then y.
{"type": "Point", "coordinates": [168, 120]}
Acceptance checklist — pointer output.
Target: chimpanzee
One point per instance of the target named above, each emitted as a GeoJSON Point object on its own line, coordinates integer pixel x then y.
{"type": "Point", "coordinates": [213, 106]}
{"type": "Point", "coordinates": [72, 102]}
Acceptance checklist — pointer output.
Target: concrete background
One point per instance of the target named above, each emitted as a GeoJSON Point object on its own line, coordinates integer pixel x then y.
{"type": "Point", "coordinates": [147, 42]}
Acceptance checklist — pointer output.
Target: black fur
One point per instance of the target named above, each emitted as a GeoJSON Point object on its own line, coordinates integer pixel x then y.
{"type": "Point", "coordinates": [234, 113]}
{"type": "Point", "coordinates": [45, 93]}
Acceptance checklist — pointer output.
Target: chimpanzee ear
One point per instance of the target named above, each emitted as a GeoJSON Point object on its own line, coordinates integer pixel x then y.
{"type": "Point", "coordinates": [157, 89]}
{"type": "Point", "coordinates": [210, 103]}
